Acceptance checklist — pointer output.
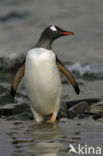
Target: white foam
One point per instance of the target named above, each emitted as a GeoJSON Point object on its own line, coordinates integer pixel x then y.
{"type": "Point", "coordinates": [53, 28]}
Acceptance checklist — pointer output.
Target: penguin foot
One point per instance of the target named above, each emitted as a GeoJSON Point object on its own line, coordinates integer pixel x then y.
{"type": "Point", "coordinates": [52, 119]}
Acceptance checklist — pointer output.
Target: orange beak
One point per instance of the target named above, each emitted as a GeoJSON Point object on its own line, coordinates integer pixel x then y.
{"type": "Point", "coordinates": [66, 33]}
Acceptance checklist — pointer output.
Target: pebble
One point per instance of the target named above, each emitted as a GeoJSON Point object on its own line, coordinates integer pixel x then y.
{"type": "Point", "coordinates": [96, 109]}
{"type": "Point", "coordinates": [12, 109]}
{"type": "Point", "coordinates": [90, 101]}
{"type": "Point", "coordinates": [80, 108]}
{"type": "Point", "coordinates": [64, 120]}
{"type": "Point", "coordinates": [22, 116]}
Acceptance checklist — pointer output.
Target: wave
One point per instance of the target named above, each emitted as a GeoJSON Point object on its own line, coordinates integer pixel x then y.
{"type": "Point", "coordinates": [13, 61]}
{"type": "Point", "coordinates": [90, 70]}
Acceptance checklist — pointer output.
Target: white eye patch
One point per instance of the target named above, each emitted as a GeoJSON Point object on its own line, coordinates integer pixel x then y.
{"type": "Point", "coordinates": [53, 28]}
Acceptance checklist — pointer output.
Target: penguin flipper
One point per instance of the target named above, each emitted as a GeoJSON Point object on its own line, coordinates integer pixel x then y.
{"type": "Point", "coordinates": [68, 75]}
{"type": "Point", "coordinates": [17, 79]}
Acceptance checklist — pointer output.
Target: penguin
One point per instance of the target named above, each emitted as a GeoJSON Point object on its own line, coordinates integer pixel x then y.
{"type": "Point", "coordinates": [41, 71]}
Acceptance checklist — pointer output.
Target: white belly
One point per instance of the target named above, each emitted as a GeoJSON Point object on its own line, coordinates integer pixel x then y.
{"type": "Point", "coordinates": [42, 80]}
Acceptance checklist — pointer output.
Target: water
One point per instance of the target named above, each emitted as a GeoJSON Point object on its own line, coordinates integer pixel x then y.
{"type": "Point", "coordinates": [21, 23]}
{"type": "Point", "coordinates": [26, 138]}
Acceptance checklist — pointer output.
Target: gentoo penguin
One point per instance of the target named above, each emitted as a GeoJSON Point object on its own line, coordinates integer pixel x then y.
{"type": "Point", "coordinates": [42, 76]}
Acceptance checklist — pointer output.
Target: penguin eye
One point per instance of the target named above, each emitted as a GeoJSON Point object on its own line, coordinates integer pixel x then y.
{"type": "Point", "coordinates": [53, 28]}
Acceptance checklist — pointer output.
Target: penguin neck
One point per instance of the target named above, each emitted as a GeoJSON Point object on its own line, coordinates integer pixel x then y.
{"type": "Point", "coordinates": [46, 44]}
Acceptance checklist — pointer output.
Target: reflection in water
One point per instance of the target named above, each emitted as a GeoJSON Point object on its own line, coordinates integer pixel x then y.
{"type": "Point", "coordinates": [29, 139]}
{"type": "Point", "coordinates": [46, 140]}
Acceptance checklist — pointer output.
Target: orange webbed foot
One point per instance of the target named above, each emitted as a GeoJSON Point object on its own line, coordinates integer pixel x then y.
{"type": "Point", "coordinates": [52, 119]}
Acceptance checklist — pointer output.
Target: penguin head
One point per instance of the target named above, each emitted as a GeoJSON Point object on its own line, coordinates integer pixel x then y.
{"type": "Point", "coordinates": [53, 32]}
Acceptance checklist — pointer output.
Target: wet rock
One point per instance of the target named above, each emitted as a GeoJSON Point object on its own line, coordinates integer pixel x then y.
{"type": "Point", "coordinates": [62, 113]}
{"type": "Point", "coordinates": [90, 101]}
{"type": "Point", "coordinates": [64, 120]}
{"type": "Point", "coordinates": [12, 109]}
{"type": "Point", "coordinates": [96, 110]}
{"type": "Point", "coordinates": [2, 90]}
{"type": "Point", "coordinates": [4, 99]}
{"type": "Point", "coordinates": [80, 108]}
{"type": "Point", "coordinates": [83, 116]}
{"type": "Point", "coordinates": [97, 116]}
{"type": "Point", "coordinates": [6, 109]}
{"type": "Point", "coordinates": [71, 114]}
{"type": "Point", "coordinates": [22, 116]}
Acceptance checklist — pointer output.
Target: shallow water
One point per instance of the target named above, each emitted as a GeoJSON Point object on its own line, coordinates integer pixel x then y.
{"type": "Point", "coordinates": [26, 138]}
{"type": "Point", "coordinates": [21, 23]}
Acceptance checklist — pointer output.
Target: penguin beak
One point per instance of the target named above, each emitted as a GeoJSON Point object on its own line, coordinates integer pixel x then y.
{"type": "Point", "coordinates": [66, 33]}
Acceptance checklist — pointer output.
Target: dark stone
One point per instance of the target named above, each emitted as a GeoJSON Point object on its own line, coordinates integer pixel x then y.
{"type": "Point", "coordinates": [4, 99]}
{"type": "Point", "coordinates": [12, 109]}
{"type": "Point", "coordinates": [90, 102]}
{"type": "Point", "coordinates": [2, 90]}
{"type": "Point", "coordinates": [62, 113]}
{"type": "Point", "coordinates": [80, 108]}
{"type": "Point", "coordinates": [71, 114]}
{"type": "Point", "coordinates": [98, 116]}
{"type": "Point", "coordinates": [96, 110]}
{"type": "Point", "coordinates": [22, 116]}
